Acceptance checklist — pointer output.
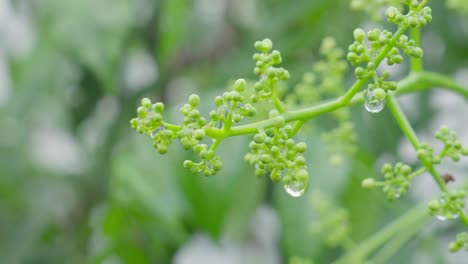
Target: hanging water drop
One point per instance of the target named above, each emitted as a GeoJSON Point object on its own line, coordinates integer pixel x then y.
{"type": "Point", "coordinates": [157, 130]}
{"type": "Point", "coordinates": [372, 104]}
{"type": "Point", "coordinates": [449, 213]}
{"type": "Point", "coordinates": [295, 188]}
{"type": "Point", "coordinates": [154, 132]}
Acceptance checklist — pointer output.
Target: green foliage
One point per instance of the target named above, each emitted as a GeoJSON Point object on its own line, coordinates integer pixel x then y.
{"type": "Point", "coordinates": [273, 150]}
{"type": "Point", "coordinates": [77, 186]}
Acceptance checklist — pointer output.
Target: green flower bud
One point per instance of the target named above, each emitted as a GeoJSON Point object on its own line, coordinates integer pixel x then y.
{"type": "Point", "coordinates": [218, 100]}
{"type": "Point", "coordinates": [387, 167]}
{"type": "Point", "coordinates": [360, 73]}
{"type": "Point", "coordinates": [236, 118]}
{"type": "Point", "coordinates": [159, 107]}
{"type": "Point", "coordinates": [146, 103]}
{"type": "Point", "coordinates": [434, 205]}
{"type": "Point", "coordinates": [416, 52]}
{"type": "Point", "coordinates": [188, 164]}
{"type": "Point", "coordinates": [299, 161]}
{"type": "Point", "coordinates": [259, 138]}
{"type": "Point", "coordinates": [368, 183]}
{"type": "Point", "coordinates": [134, 123]}
{"type": "Point", "coordinates": [359, 34]}
{"type": "Point", "coordinates": [217, 165]}
{"type": "Point", "coordinates": [373, 35]}
{"type": "Point", "coordinates": [379, 94]}
{"type": "Point", "coordinates": [240, 85]}
{"type": "Point", "coordinates": [464, 151]}
{"type": "Point", "coordinates": [352, 57]}
{"type": "Point", "coordinates": [264, 45]}
{"type": "Point", "coordinates": [276, 57]}
{"type": "Point", "coordinates": [301, 147]}
{"type": "Point", "coordinates": [413, 22]}
{"type": "Point", "coordinates": [278, 121]}
{"type": "Point", "coordinates": [194, 114]}
{"type": "Point", "coordinates": [162, 149]}
{"type": "Point", "coordinates": [302, 175]}
{"type": "Point", "coordinates": [391, 12]}
{"type": "Point", "coordinates": [199, 134]}
{"type": "Point", "coordinates": [142, 112]}
{"type": "Point", "coordinates": [275, 176]}
{"type": "Point", "coordinates": [454, 247]}
{"type": "Point", "coordinates": [194, 100]}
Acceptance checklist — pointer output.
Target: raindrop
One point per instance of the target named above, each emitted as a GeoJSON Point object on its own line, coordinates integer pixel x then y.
{"type": "Point", "coordinates": [157, 130]}
{"type": "Point", "coordinates": [450, 214]}
{"type": "Point", "coordinates": [295, 188]}
{"type": "Point", "coordinates": [372, 104]}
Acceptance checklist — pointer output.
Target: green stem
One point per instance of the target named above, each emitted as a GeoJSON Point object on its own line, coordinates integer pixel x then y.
{"type": "Point", "coordinates": [464, 217]}
{"type": "Point", "coordinates": [437, 177]}
{"type": "Point", "coordinates": [416, 63]}
{"type": "Point", "coordinates": [402, 121]}
{"type": "Point", "coordinates": [417, 173]}
{"type": "Point", "coordinates": [416, 82]}
{"type": "Point", "coordinates": [297, 126]}
{"type": "Point", "coordinates": [228, 120]}
{"type": "Point", "coordinates": [413, 218]}
{"type": "Point", "coordinates": [172, 126]}
{"type": "Point", "coordinates": [408, 130]}
{"type": "Point", "coordinates": [277, 101]}
{"type": "Point", "coordinates": [395, 244]}
{"type": "Point", "coordinates": [413, 83]}
{"type": "Point", "coordinates": [429, 79]}
{"type": "Point", "coordinates": [423, 3]}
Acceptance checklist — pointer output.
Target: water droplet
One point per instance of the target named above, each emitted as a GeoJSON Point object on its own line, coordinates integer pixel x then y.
{"type": "Point", "coordinates": [371, 103]}
{"type": "Point", "coordinates": [157, 130]}
{"type": "Point", "coordinates": [451, 214]}
{"type": "Point", "coordinates": [295, 188]}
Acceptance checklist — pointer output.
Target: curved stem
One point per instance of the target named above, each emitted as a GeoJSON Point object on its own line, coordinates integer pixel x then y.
{"type": "Point", "coordinates": [395, 244]}
{"type": "Point", "coordinates": [412, 83]}
{"type": "Point", "coordinates": [408, 130]}
{"type": "Point", "coordinates": [297, 126]}
{"type": "Point", "coordinates": [421, 81]}
{"type": "Point", "coordinates": [402, 121]}
{"type": "Point", "coordinates": [412, 218]}
{"type": "Point", "coordinates": [277, 101]}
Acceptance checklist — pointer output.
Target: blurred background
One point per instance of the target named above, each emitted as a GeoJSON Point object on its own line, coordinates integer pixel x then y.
{"type": "Point", "coordinates": [78, 185]}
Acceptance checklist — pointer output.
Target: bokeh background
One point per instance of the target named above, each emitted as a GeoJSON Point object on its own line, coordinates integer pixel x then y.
{"type": "Point", "coordinates": [77, 185]}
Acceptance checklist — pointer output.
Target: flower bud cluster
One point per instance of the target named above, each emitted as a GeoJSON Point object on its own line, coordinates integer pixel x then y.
{"type": "Point", "coordinates": [409, 47]}
{"type": "Point", "coordinates": [232, 105]}
{"type": "Point", "coordinates": [449, 206]}
{"type": "Point", "coordinates": [459, 243]}
{"type": "Point", "coordinates": [192, 131]}
{"type": "Point", "coordinates": [417, 16]}
{"type": "Point", "coordinates": [209, 165]}
{"type": "Point", "coordinates": [397, 180]}
{"type": "Point", "coordinates": [266, 70]}
{"type": "Point", "coordinates": [150, 121]}
{"type": "Point", "coordinates": [453, 147]}
{"type": "Point", "coordinates": [373, 7]}
{"type": "Point", "coordinates": [425, 155]}
{"type": "Point", "coordinates": [275, 152]}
